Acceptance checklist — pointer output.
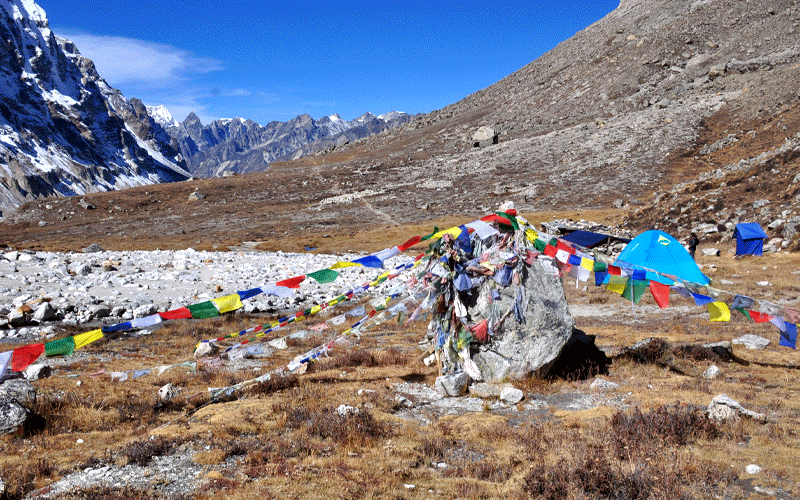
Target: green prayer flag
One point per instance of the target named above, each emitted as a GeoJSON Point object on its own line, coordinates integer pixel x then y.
{"type": "Point", "coordinates": [635, 288]}
{"type": "Point", "coordinates": [205, 309]}
{"type": "Point", "coordinates": [539, 244]}
{"type": "Point", "coordinates": [435, 230]}
{"type": "Point", "coordinates": [60, 347]}
{"type": "Point", "coordinates": [600, 267]}
{"type": "Point", "coordinates": [512, 221]}
{"type": "Point", "coordinates": [324, 275]}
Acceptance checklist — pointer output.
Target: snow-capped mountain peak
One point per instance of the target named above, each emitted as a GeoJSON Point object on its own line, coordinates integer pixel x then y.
{"type": "Point", "coordinates": [162, 116]}
{"type": "Point", "coordinates": [69, 132]}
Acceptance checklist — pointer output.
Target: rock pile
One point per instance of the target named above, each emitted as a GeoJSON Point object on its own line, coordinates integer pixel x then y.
{"type": "Point", "coordinates": [39, 288]}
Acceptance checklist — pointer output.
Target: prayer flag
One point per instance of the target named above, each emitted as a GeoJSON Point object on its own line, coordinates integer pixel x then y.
{"type": "Point", "coordinates": [770, 308]}
{"type": "Point", "coordinates": [482, 229]}
{"type": "Point", "coordinates": [205, 309]}
{"type": "Point", "coordinates": [291, 282]}
{"type": "Point", "coordinates": [550, 250]}
{"type": "Point", "coordinates": [660, 293]}
{"type": "Point", "coordinates": [701, 300]}
{"type": "Point", "coordinates": [340, 265]}
{"type": "Point", "coordinates": [600, 277]}
{"type": "Point", "coordinates": [563, 246]}
{"type": "Point", "coordinates": [793, 315]}
{"type": "Point", "coordinates": [387, 254]}
{"type": "Point", "coordinates": [634, 290]}
{"type": "Point", "coordinates": [324, 275]}
{"type": "Point", "coordinates": [574, 260]}
{"type": "Point", "coordinates": [83, 339]}
{"type": "Point", "coordinates": [279, 291]}
{"type": "Point", "coordinates": [759, 317]}
{"type": "Point", "coordinates": [180, 313]}
{"type": "Point", "coordinates": [789, 337]}
{"type": "Point", "coordinates": [562, 256]}
{"type": "Point", "coordinates": [61, 347]}
{"type": "Point", "coordinates": [5, 359]}
{"type": "Point", "coordinates": [616, 287]}
{"type": "Point", "coordinates": [151, 320]}
{"type": "Point", "coordinates": [319, 327]}
{"type": "Point", "coordinates": [614, 271]}
{"type": "Point", "coordinates": [410, 243]}
{"type": "Point", "coordinates": [120, 327]}
{"type": "Point", "coordinates": [338, 320]}
{"type": "Point", "coordinates": [228, 303]}
{"type": "Point", "coordinates": [246, 294]}
{"type": "Point", "coordinates": [453, 231]}
{"type": "Point", "coordinates": [481, 330]}
{"type": "Point", "coordinates": [600, 267]}
{"type": "Point", "coordinates": [718, 311]}
{"type": "Point", "coordinates": [539, 245]}
{"type": "Point", "coordinates": [25, 355]}
{"type": "Point", "coordinates": [370, 261]}
{"type": "Point", "coordinates": [742, 302]}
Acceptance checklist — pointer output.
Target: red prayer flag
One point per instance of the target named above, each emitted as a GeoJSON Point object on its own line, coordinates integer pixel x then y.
{"type": "Point", "coordinates": [291, 282]}
{"type": "Point", "coordinates": [563, 246]}
{"type": "Point", "coordinates": [481, 330]}
{"type": "Point", "coordinates": [614, 270]}
{"type": "Point", "coordinates": [410, 243]}
{"type": "Point", "coordinates": [660, 293]}
{"type": "Point", "coordinates": [25, 355]}
{"type": "Point", "coordinates": [759, 317]}
{"type": "Point", "coordinates": [550, 251]}
{"type": "Point", "coordinates": [180, 313]}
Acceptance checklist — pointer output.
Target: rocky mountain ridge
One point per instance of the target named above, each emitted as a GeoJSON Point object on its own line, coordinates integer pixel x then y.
{"type": "Point", "coordinates": [240, 145]}
{"type": "Point", "coordinates": [63, 129]}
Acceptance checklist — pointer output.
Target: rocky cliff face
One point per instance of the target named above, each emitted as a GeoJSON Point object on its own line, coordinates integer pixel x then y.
{"type": "Point", "coordinates": [239, 145]}
{"type": "Point", "coordinates": [63, 129]}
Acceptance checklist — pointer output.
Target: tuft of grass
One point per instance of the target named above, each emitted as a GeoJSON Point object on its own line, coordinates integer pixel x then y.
{"type": "Point", "coordinates": [642, 435]}
{"type": "Point", "coordinates": [351, 429]}
{"type": "Point", "coordinates": [142, 452]}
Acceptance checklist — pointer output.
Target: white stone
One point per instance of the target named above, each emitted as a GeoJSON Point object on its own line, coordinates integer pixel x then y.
{"type": "Point", "coordinates": [711, 372]}
{"type": "Point", "coordinates": [751, 341]}
{"type": "Point", "coordinates": [752, 469]}
{"type": "Point", "coordinates": [511, 395]}
{"type": "Point", "coordinates": [602, 384]}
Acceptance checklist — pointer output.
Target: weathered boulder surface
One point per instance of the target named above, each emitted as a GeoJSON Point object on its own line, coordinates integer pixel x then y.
{"type": "Point", "coordinates": [18, 389]}
{"type": "Point", "coordinates": [533, 344]}
{"type": "Point", "coordinates": [12, 415]}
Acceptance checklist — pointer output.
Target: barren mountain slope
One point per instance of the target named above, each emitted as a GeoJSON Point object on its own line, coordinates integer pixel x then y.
{"type": "Point", "coordinates": [641, 100]}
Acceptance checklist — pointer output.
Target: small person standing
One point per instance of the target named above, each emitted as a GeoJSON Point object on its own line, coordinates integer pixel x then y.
{"type": "Point", "coordinates": [693, 242]}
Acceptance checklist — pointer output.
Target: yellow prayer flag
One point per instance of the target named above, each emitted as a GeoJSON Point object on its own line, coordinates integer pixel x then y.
{"type": "Point", "coordinates": [228, 303]}
{"type": "Point", "coordinates": [587, 264]}
{"type": "Point", "coordinates": [453, 231]}
{"type": "Point", "coordinates": [613, 279]}
{"type": "Point", "coordinates": [83, 339]}
{"type": "Point", "coordinates": [340, 265]}
{"type": "Point", "coordinates": [616, 288]}
{"type": "Point", "coordinates": [531, 234]}
{"type": "Point", "coordinates": [719, 311]}
{"type": "Point", "coordinates": [315, 309]}
{"type": "Point", "coordinates": [274, 323]}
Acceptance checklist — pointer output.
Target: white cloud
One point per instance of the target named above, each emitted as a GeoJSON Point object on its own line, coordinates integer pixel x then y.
{"type": "Point", "coordinates": [121, 60]}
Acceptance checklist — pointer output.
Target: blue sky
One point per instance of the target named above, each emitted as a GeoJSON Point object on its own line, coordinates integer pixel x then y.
{"type": "Point", "coordinates": [270, 61]}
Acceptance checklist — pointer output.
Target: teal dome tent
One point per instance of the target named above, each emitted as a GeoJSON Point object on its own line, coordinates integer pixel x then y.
{"type": "Point", "coordinates": [658, 251]}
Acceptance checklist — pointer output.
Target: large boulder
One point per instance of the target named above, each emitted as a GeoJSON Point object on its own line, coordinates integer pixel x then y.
{"type": "Point", "coordinates": [13, 415]}
{"type": "Point", "coordinates": [18, 389]}
{"type": "Point", "coordinates": [533, 344]}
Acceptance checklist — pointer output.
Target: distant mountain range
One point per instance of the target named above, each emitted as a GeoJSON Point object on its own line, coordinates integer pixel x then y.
{"type": "Point", "coordinates": [239, 145]}
{"type": "Point", "coordinates": [63, 129]}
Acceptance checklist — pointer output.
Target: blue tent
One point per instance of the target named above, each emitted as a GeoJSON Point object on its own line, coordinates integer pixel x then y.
{"type": "Point", "coordinates": [749, 238]}
{"type": "Point", "coordinates": [661, 252]}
